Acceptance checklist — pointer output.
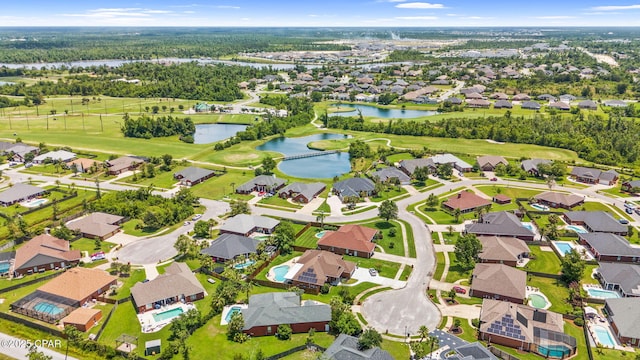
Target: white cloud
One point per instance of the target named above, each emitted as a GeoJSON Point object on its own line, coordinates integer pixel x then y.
{"type": "Point", "coordinates": [313, 15]}
{"type": "Point", "coordinates": [454, 15]}
{"type": "Point", "coordinates": [419, 5]}
{"type": "Point", "coordinates": [417, 18]}
{"type": "Point", "coordinates": [615, 7]}
{"type": "Point", "coordinates": [478, 18]}
{"type": "Point", "coordinates": [396, 1]}
{"type": "Point", "coordinates": [189, 12]}
{"type": "Point", "coordinates": [110, 13]}
{"type": "Point", "coordinates": [554, 17]}
{"type": "Point", "coordinates": [595, 13]}
{"type": "Point", "coordinates": [245, 19]}
{"type": "Point", "coordinates": [227, 7]}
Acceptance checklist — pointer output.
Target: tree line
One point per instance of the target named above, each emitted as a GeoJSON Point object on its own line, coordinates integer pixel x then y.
{"type": "Point", "coordinates": [147, 127]}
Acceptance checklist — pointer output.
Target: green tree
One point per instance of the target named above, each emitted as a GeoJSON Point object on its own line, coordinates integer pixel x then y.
{"type": "Point", "coordinates": [268, 164]}
{"type": "Point", "coordinates": [572, 267]}
{"type": "Point", "coordinates": [370, 338]}
{"type": "Point", "coordinates": [424, 332]}
{"type": "Point", "coordinates": [35, 354]}
{"type": "Point", "coordinates": [239, 207]}
{"type": "Point", "coordinates": [201, 229]}
{"type": "Point", "coordinates": [359, 149]}
{"type": "Point", "coordinates": [388, 210]}
{"type": "Point", "coordinates": [419, 349]}
{"type": "Point", "coordinates": [444, 171]}
{"type": "Point", "coordinates": [466, 251]}
{"type": "Point", "coordinates": [432, 200]}
{"type": "Point", "coordinates": [421, 173]}
{"type": "Point", "coordinates": [236, 324]}
{"type": "Point", "coordinates": [284, 332]}
{"type": "Point", "coordinates": [284, 236]}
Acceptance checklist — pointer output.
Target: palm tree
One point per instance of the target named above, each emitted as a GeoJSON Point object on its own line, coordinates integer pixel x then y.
{"type": "Point", "coordinates": [424, 332]}
{"type": "Point", "coordinates": [321, 218]}
{"type": "Point", "coordinates": [433, 342]}
{"type": "Point", "coordinates": [457, 213]}
{"type": "Point", "coordinates": [246, 287]}
{"type": "Point", "coordinates": [551, 182]}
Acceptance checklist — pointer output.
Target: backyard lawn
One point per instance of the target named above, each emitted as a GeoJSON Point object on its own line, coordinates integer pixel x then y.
{"type": "Point", "coordinates": [456, 272]}
{"type": "Point", "coordinates": [556, 292]}
{"type": "Point", "coordinates": [545, 262]}
{"type": "Point", "coordinates": [308, 238]}
{"type": "Point", "coordinates": [385, 268]}
{"type": "Point", "coordinates": [89, 245]}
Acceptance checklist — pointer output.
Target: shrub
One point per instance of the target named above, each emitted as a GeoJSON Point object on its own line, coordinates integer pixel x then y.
{"type": "Point", "coordinates": [284, 332]}
{"type": "Point", "coordinates": [325, 288]}
{"type": "Point", "coordinates": [578, 322]}
{"type": "Point", "coordinates": [392, 232]}
{"type": "Point", "coordinates": [392, 245]}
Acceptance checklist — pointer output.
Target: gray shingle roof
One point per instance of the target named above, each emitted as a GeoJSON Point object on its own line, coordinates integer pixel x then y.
{"type": "Point", "coordinates": [412, 164]}
{"type": "Point", "coordinates": [306, 189]}
{"type": "Point", "coordinates": [345, 347]}
{"type": "Point", "coordinates": [244, 223]}
{"type": "Point", "coordinates": [610, 244]}
{"type": "Point", "coordinates": [594, 174]}
{"type": "Point", "coordinates": [228, 246]}
{"type": "Point", "coordinates": [499, 223]}
{"type": "Point", "coordinates": [450, 159]}
{"type": "Point", "coordinates": [532, 164]}
{"type": "Point", "coordinates": [626, 315]}
{"type": "Point", "coordinates": [273, 309]}
{"type": "Point", "coordinates": [625, 275]}
{"type": "Point", "coordinates": [193, 174]}
{"type": "Point", "coordinates": [176, 281]}
{"type": "Point", "coordinates": [354, 186]}
{"type": "Point", "coordinates": [389, 173]}
{"type": "Point", "coordinates": [267, 180]}
{"type": "Point", "coordinates": [473, 351]}
{"type": "Point", "coordinates": [597, 221]}
{"type": "Point", "coordinates": [19, 192]}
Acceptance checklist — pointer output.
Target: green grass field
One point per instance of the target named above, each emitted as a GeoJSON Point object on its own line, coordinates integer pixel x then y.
{"type": "Point", "coordinates": [556, 292]}
{"type": "Point", "coordinates": [308, 238]}
{"type": "Point", "coordinates": [545, 262]}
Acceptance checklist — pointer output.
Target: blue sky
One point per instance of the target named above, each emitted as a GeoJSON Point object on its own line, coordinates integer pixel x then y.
{"type": "Point", "coordinates": [361, 13]}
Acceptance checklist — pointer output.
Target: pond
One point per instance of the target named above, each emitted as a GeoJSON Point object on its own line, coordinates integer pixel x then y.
{"type": "Point", "coordinates": [373, 111]}
{"type": "Point", "coordinates": [208, 133]}
{"type": "Point", "coordinates": [325, 166]}
{"type": "Point", "coordinates": [6, 83]}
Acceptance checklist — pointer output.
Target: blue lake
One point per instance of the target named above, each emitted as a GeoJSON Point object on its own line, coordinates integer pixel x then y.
{"type": "Point", "coordinates": [368, 110]}
{"type": "Point", "coordinates": [325, 166]}
{"type": "Point", "coordinates": [208, 133]}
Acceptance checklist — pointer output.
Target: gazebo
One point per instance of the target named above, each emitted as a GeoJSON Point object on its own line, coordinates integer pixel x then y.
{"type": "Point", "coordinates": [126, 343]}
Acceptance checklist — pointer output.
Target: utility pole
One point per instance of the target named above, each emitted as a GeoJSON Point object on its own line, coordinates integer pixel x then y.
{"type": "Point", "coordinates": [101, 126]}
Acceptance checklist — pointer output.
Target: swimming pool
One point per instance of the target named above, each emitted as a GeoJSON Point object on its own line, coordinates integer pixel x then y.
{"type": "Point", "coordinates": [603, 336]}
{"type": "Point", "coordinates": [528, 225]}
{"type": "Point", "coordinates": [4, 267]}
{"type": "Point", "coordinates": [232, 311]}
{"type": "Point", "coordinates": [279, 272]}
{"type": "Point", "coordinates": [577, 229]}
{"type": "Point", "coordinates": [602, 294]}
{"type": "Point", "coordinates": [244, 264]}
{"type": "Point", "coordinates": [34, 203]}
{"type": "Point", "coordinates": [540, 207]}
{"type": "Point", "coordinates": [47, 308]}
{"type": "Point", "coordinates": [320, 234]}
{"type": "Point", "coordinates": [556, 351]}
{"type": "Point", "coordinates": [262, 237]}
{"type": "Point", "coordinates": [538, 301]}
{"type": "Point", "coordinates": [563, 247]}
{"type": "Point", "coordinates": [166, 315]}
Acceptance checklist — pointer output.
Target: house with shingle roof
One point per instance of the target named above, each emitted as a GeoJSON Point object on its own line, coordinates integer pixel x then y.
{"type": "Point", "coordinates": [346, 347]}
{"type": "Point", "coordinates": [42, 253]}
{"type": "Point", "coordinates": [20, 192]}
{"type": "Point", "coordinates": [18, 151]}
{"type": "Point", "coordinates": [524, 327]}
{"type": "Point", "coordinates": [466, 201]}
{"type": "Point", "coordinates": [588, 105]}
{"type": "Point", "coordinates": [501, 223]}
{"type": "Point", "coordinates": [531, 165]}
{"type": "Point", "coordinates": [229, 246]}
{"type": "Point", "coordinates": [389, 173]}
{"type": "Point", "coordinates": [499, 282]}
{"type": "Point", "coordinates": [354, 187]}
{"type": "Point", "coordinates": [82, 319]}
{"type": "Point", "coordinates": [453, 160]}
{"type": "Point", "coordinates": [57, 155]}
{"type": "Point", "coordinates": [594, 176]}
{"type": "Point", "coordinates": [266, 312]}
{"type": "Point", "coordinates": [97, 225]}
{"type": "Point", "coordinates": [178, 283]}
{"type": "Point", "coordinates": [82, 165]}
{"type": "Point", "coordinates": [628, 186]}
{"type": "Point", "coordinates": [80, 285]}
{"type": "Point", "coordinates": [193, 175]}
{"type": "Point", "coordinates": [123, 164]}
{"type": "Point", "coordinates": [489, 163]}
{"type": "Point", "coordinates": [350, 239]}
{"type": "Point", "coordinates": [244, 224]}
{"type": "Point", "coordinates": [623, 278]}
{"type": "Point", "coordinates": [409, 166]}
{"type": "Point", "coordinates": [559, 200]}
{"type": "Point", "coordinates": [316, 267]}
{"type": "Point", "coordinates": [502, 104]}
{"type": "Point", "coordinates": [521, 97]}
{"type": "Point", "coordinates": [615, 103]}
{"type": "Point", "coordinates": [596, 221]}
{"type": "Point", "coordinates": [261, 183]}
{"type": "Point", "coordinates": [478, 103]}
{"type": "Point", "coordinates": [609, 247]}
{"type": "Point", "coordinates": [502, 250]}
{"type": "Point", "coordinates": [560, 105]}
{"type": "Point", "coordinates": [302, 192]}
{"type": "Point", "coordinates": [530, 105]}
{"type": "Point", "coordinates": [624, 318]}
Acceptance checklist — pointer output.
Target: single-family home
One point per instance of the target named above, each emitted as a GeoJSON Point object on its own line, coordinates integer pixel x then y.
{"type": "Point", "coordinates": [57, 155]}
{"type": "Point", "coordinates": [588, 105]}
{"type": "Point", "coordinates": [499, 282]}
{"type": "Point", "coordinates": [80, 285]}
{"type": "Point", "coordinates": [501, 199]}
{"type": "Point", "coordinates": [560, 105]}
{"type": "Point", "coordinates": [478, 103]}
{"type": "Point", "coordinates": [615, 103]}
{"type": "Point", "coordinates": [489, 163]}
{"type": "Point", "coordinates": [20, 192]}
{"type": "Point", "coordinates": [559, 200]}
{"type": "Point", "coordinates": [354, 187]}
{"type": "Point", "coordinates": [82, 318]}
{"type": "Point", "coordinates": [454, 100]}
{"type": "Point", "coordinates": [530, 105]}
{"type": "Point", "coordinates": [245, 225]}
{"type": "Point", "coordinates": [502, 250]}
{"type": "Point", "coordinates": [524, 327]}
{"type": "Point", "coordinates": [316, 267]}
{"type": "Point", "coordinates": [454, 161]}
{"type": "Point", "coordinates": [624, 318]}
{"type": "Point", "coordinates": [521, 97]}
{"type": "Point", "coordinates": [266, 312]}
{"type": "Point", "coordinates": [82, 165]}
{"type": "Point", "coordinates": [388, 174]}
{"type": "Point", "coordinates": [466, 201]}
{"type": "Point", "coordinates": [502, 104]}
{"type": "Point", "coordinates": [531, 165]}
{"type": "Point", "coordinates": [193, 175]}
{"type": "Point", "coordinates": [346, 347]}
{"type": "Point", "coordinates": [594, 176]}
{"type": "Point", "coordinates": [122, 164]}
{"type": "Point", "coordinates": [229, 246]}
{"type": "Point", "coordinates": [596, 221]}
{"type": "Point", "coordinates": [44, 252]}
{"type": "Point", "coordinates": [19, 151]}
{"type": "Point", "coordinates": [177, 284]}
{"type": "Point", "coordinates": [468, 351]}
{"type": "Point", "coordinates": [97, 225]}
{"type": "Point", "coordinates": [630, 185]}
{"type": "Point", "coordinates": [501, 223]}
{"type": "Point", "coordinates": [261, 183]}
{"type": "Point", "coordinates": [350, 239]}
{"type": "Point", "coordinates": [302, 192]}
{"type": "Point", "coordinates": [409, 166]}
{"type": "Point", "coordinates": [623, 278]}
{"type": "Point", "coordinates": [609, 247]}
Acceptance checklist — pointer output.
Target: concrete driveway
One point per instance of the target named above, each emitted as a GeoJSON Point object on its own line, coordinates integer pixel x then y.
{"type": "Point", "coordinates": [152, 250]}
{"type": "Point", "coordinates": [362, 274]}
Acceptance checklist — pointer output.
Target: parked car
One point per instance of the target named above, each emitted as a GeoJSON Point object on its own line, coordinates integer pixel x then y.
{"type": "Point", "coordinates": [459, 289]}
{"type": "Point", "coordinates": [623, 221]}
{"type": "Point", "coordinates": [196, 217]}
{"type": "Point", "coordinates": [98, 256]}
{"type": "Point", "coordinates": [494, 179]}
{"type": "Point", "coordinates": [28, 165]}
{"type": "Point", "coordinates": [629, 210]}
{"type": "Point", "coordinates": [638, 211]}
{"type": "Point", "coordinates": [373, 272]}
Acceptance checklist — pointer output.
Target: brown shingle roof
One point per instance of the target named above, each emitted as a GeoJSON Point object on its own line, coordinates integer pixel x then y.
{"type": "Point", "coordinates": [352, 237]}
{"type": "Point", "coordinates": [501, 248]}
{"type": "Point", "coordinates": [324, 264]}
{"type": "Point", "coordinates": [123, 162]}
{"type": "Point", "coordinates": [499, 279]}
{"type": "Point", "coordinates": [567, 200]}
{"type": "Point", "coordinates": [52, 249]}
{"type": "Point", "coordinates": [82, 163]}
{"type": "Point", "coordinates": [80, 316]}
{"type": "Point", "coordinates": [493, 311]}
{"type": "Point", "coordinates": [96, 224]}
{"type": "Point", "coordinates": [78, 283]}
{"type": "Point", "coordinates": [177, 280]}
{"type": "Point", "coordinates": [466, 200]}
